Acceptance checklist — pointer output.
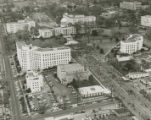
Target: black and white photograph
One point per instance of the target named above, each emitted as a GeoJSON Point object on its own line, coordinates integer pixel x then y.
{"type": "Point", "coordinates": [75, 59]}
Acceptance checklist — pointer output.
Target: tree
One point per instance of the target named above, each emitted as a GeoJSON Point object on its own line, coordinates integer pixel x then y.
{"type": "Point", "coordinates": [132, 66]}
{"type": "Point", "coordinates": [10, 40]}
{"type": "Point", "coordinates": [87, 30]}
{"type": "Point", "coordinates": [42, 109]}
{"type": "Point", "coordinates": [34, 31]}
{"type": "Point", "coordinates": [91, 78]}
{"type": "Point", "coordinates": [28, 90]}
{"type": "Point", "coordinates": [74, 84]}
{"type": "Point", "coordinates": [148, 34]}
{"type": "Point", "coordinates": [78, 28]}
{"type": "Point", "coordinates": [97, 47]}
{"type": "Point", "coordinates": [101, 51]}
{"type": "Point", "coordinates": [28, 10]}
{"type": "Point", "coordinates": [143, 92]}
{"type": "Point", "coordinates": [94, 33]}
{"type": "Point", "coordinates": [133, 29]}
{"type": "Point", "coordinates": [24, 35]}
{"type": "Point", "coordinates": [117, 35]}
{"type": "Point", "coordinates": [54, 10]}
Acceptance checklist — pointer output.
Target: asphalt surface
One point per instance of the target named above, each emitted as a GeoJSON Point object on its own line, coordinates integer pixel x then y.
{"type": "Point", "coordinates": [78, 109]}
{"type": "Point", "coordinates": [8, 76]}
{"type": "Point", "coordinates": [109, 77]}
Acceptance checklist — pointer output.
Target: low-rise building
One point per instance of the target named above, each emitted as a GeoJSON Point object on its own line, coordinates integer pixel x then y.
{"type": "Point", "coordinates": [137, 75]}
{"type": "Point", "coordinates": [148, 70]}
{"type": "Point", "coordinates": [146, 20]}
{"type": "Point", "coordinates": [132, 44]}
{"type": "Point", "coordinates": [66, 73]}
{"type": "Point", "coordinates": [92, 91]}
{"type": "Point", "coordinates": [68, 20]}
{"type": "Point", "coordinates": [131, 5]}
{"type": "Point", "coordinates": [14, 27]}
{"type": "Point", "coordinates": [146, 81]}
{"type": "Point", "coordinates": [34, 81]}
{"type": "Point", "coordinates": [46, 33]}
{"type": "Point", "coordinates": [108, 14]}
{"type": "Point", "coordinates": [36, 58]}
{"type": "Point", "coordinates": [122, 58]}
{"type": "Point", "coordinates": [70, 40]}
{"type": "Point", "coordinates": [65, 31]}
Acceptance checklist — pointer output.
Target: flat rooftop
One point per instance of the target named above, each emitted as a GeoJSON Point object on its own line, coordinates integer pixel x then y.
{"type": "Point", "coordinates": [93, 90]}
{"type": "Point", "coordinates": [133, 38]}
{"type": "Point", "coordinates": [70, 67]}
{"type": "Point", "coordinates": [36, 48]}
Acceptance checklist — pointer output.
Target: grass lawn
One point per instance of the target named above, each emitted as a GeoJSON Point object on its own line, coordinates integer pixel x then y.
{"type": "Point", "coordinates": [147, 43]}
{"type": "Point", "coordinates": [106, 44]}
{"type": "Point", "coordinates": [102, 42]}
{"type": "Point", "coordinates": [51, 42]}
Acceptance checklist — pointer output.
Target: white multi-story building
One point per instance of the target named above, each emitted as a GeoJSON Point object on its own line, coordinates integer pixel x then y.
{"type": "Point", "coordinates": [72, 19]}
{"type": "Point", "coordinates": [14, 27]}
{"type": "Point", "coordinates": [35, 58]}
{"type": "Point", "coordinates": [146, 20]}
{"type": "Point", "coordinates": [66, 73]}
{"type": "Point", "coordinates": [65, 31]}
{"type": "Point", "coordinates": [34, 81]}
{"type": "Point", "coordinates": [46, 33]}
{"type": "Point", "coordinates": [131, 5]}
{"type": "Point", "coordinates": [133, 43]}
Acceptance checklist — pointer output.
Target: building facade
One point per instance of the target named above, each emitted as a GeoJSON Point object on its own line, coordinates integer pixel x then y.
{"type": "Point", "coordinates": [130, 5]}
{"type": "Point", "coordinates": [146, 20]}
{"type": "Point", "coordinates": [121, 58]}
{"type": "Point", "coordinates": [65, 31]}
{"type": "Point", "coordinates": [36, 58]}
{"type": "Point", "coordinates": [34, 81]}
{"type": "Point", "coordinates": [46, 33]}
{"type": "Point", "coordinates": [137, 75]}
{"type": "Point", "coordinates": [93, 91]}
{"type": "Point", "coordinates": [66, 73]}
{"type": "Point", "coordinates": [14, 27]}
{"type": "Point", "coordinates": [68, 20]}
{"type": "Point", "coordinates": [132, 44]}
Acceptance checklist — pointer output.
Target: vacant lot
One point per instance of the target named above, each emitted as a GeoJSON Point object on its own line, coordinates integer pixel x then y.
{"type": "Point", "coordinates": [59, 89]}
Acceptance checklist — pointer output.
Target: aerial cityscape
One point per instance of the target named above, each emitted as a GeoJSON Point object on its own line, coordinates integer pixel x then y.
{"type": "Point", "coordinates": [75, 60]}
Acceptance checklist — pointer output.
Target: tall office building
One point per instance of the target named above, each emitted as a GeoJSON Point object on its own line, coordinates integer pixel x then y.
{"type": "Point", "coordinates": [36, 58]}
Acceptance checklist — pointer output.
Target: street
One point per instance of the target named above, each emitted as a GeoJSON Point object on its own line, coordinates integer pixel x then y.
{"type": "Point", "coordinates": [104, 73]}
{"type": "Point", "coordinates": [8, 76]}
{"type": "Point", "coordinates": [78, 109]}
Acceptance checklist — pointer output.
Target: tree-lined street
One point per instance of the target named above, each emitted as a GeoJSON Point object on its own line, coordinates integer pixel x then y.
{"type": "Point", "coordinates": [109, 77]}
{"type": "Point", "coordinates": [16, 113]}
